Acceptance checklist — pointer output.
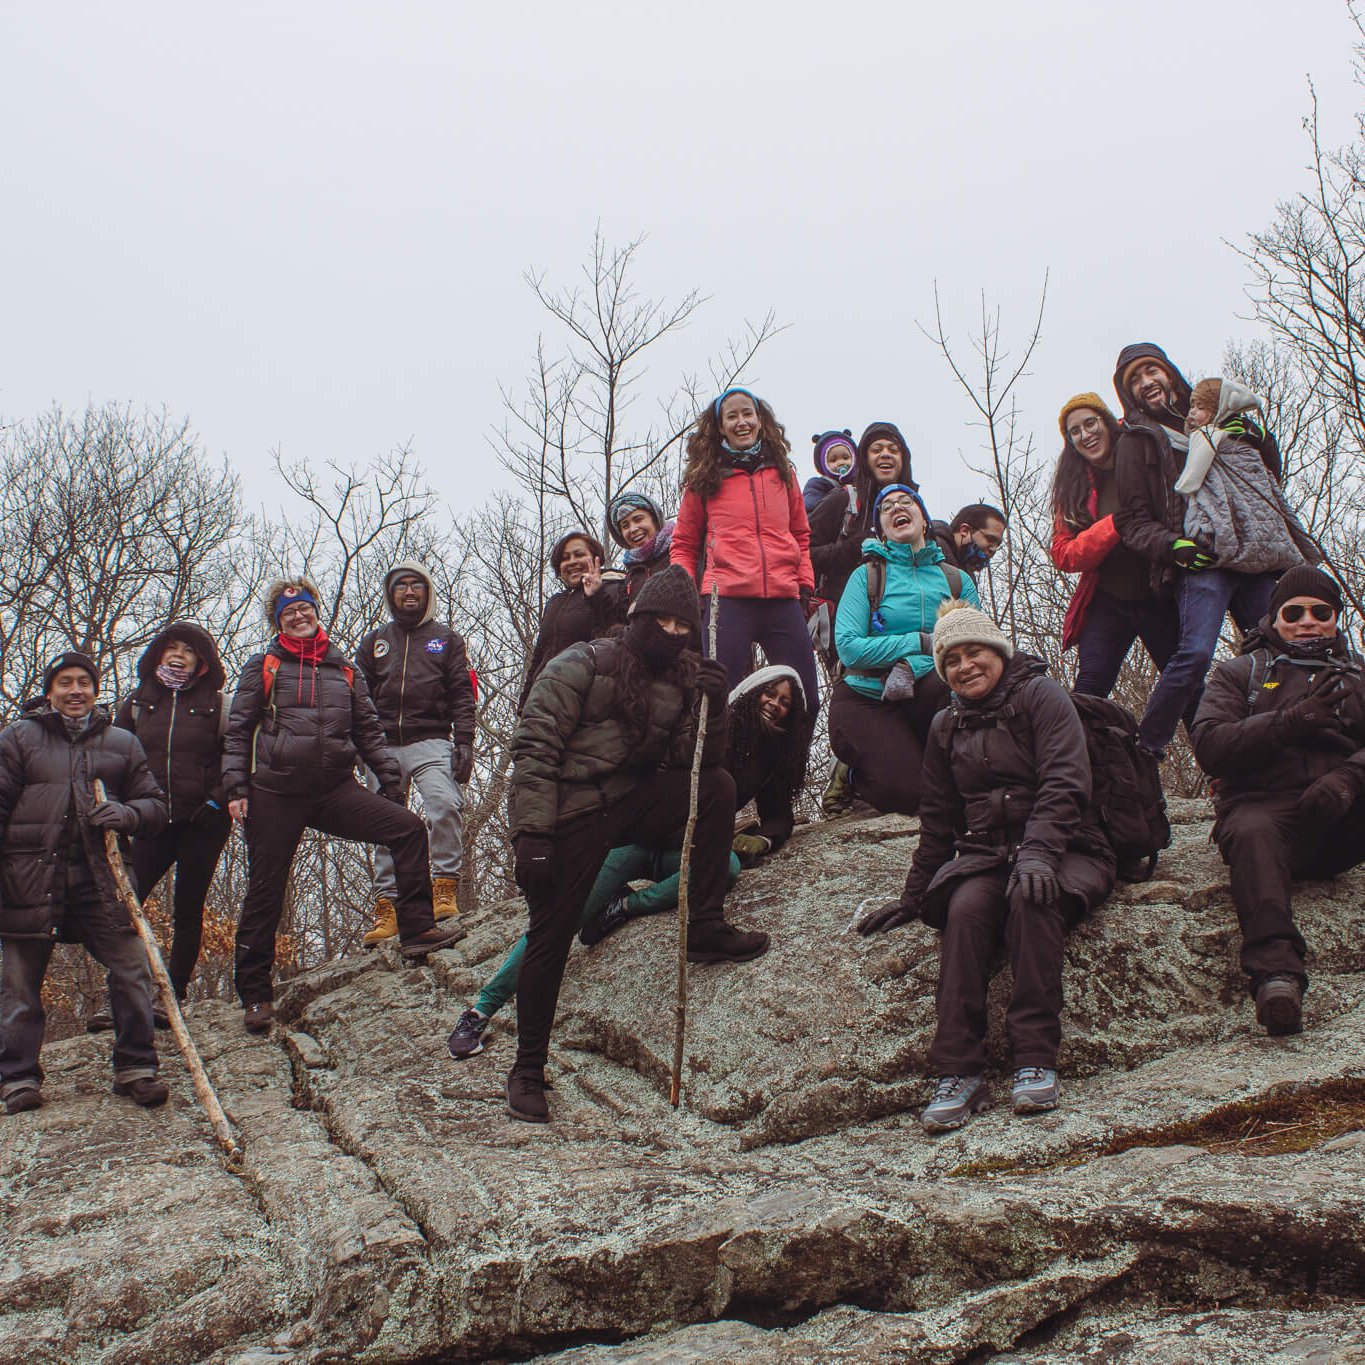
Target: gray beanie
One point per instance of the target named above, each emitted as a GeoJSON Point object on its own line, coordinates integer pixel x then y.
{"type": "Point", "coordinates": [960, 623]}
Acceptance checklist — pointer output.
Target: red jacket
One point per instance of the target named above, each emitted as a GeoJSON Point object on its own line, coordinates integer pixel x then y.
{"type": "Point", "coordinates": [1082, 552]}
{"type": "Point", "coordinates": [752, 536]}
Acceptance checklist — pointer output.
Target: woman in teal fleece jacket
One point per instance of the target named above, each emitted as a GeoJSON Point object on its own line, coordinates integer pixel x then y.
{"type": "Point", "coordinates": [880, 710]}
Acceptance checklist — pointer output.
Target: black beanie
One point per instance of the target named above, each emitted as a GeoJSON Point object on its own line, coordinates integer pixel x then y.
{"type": "Point", "coordinates": [670, 592]}
{"type": "Point", "coordinates": [1303, 580]}
{"type": "Point", "coordinates": [73, 658]}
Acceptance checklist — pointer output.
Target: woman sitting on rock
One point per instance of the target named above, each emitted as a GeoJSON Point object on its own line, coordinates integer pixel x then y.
{"type": "Point", "coordinates": [880, 712]}
{"type": "Point", "coordinates": [1009, 852]}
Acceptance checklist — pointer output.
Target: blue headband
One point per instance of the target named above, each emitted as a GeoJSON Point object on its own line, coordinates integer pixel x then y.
{"type": "Point", "coordinates": [730, 393]}
{"type": "Point", "coordinates": [900, 488]}
{"type": "Point", "coordinates": [292, 599]}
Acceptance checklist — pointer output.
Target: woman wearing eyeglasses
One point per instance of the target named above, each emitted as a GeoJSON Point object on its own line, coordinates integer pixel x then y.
{"type": "Point", "coordinates": [1113, 603]}
{"type": "Point", "coordinates": [300, 717]}
{"type": "Point", "coordinates": [1282, 728]}
{"type": "Point", "coordinates": [881, 709]}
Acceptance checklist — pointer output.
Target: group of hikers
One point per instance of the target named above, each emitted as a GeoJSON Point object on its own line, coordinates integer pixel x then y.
{"type": "Point", "coordinates": [1172, 515]}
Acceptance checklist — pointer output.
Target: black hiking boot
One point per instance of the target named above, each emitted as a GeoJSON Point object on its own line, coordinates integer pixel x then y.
{"type": "Point", "coordinates": [1279, 1005]}
{"type": "Point", "coordinates": [432, 940]}
{"type": "Point", "coordinates": [22, 1100]}
{"type": "Point", "coordinates": [147, 1091]}
{"type": "Point", "coordinates": [718, 941]}
{"type": "Point", "coordinates": [526, 1096]}
{"type": "Point", "coordinates": [605, 924]}
{"type": "Point", "coordinates": [258, 1017]}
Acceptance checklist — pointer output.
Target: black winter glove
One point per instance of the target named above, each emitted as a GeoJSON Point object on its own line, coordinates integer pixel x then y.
{"type": "Point", "coordinates": [890, 916]}
{"type": "Point", "coordinates": [533, 869]}
{"type": "Point", "coordinates": [1190, 556]}
{"type": "Point", "coordinates": [1326, 802]}
{"type": "Point", "coordinates": [1034, 881]}
{"type": "Point", "coordinates": [1318, 710]}
{"type": "Point", "coordinates": [114, 815]}
{"type": "Point", "coordinates": [462, 762]}
{"type": "Point", "coordinates": [713, 681]}
{"type": "Point", "coordinates": [806, 594]}
{"type": "Point", "coordinates": [394, 794]}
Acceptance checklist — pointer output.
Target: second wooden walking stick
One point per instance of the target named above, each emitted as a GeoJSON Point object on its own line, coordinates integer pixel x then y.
{"type": "Point", "coordinates": [222, 1130]}
{"type": "Point", "coordinates": [685, 869]}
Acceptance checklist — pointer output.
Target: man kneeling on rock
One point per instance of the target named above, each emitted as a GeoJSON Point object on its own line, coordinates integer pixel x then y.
{"type": "Point", "coordinates": [601, 757]}
{"type": "Point", "coordinates": [55, 880]}
{"type": "Point", "coordinates": [1282, 729]}
{"type": "Point", "coordinates": [1009, 850]}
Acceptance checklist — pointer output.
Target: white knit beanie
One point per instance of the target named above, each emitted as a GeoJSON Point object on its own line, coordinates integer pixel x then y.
{"type": "Point", "coordinates": [960, 623]}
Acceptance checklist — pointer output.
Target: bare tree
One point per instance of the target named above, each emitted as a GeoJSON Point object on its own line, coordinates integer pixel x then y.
{"type": "Point", "coordinates": [570, 441]}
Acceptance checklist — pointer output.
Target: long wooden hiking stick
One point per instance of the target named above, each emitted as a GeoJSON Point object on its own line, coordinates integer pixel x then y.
{"type": "Point", "coordinates": [202, 1086]}
{"type": "Point", "coordinates": [685, 869]}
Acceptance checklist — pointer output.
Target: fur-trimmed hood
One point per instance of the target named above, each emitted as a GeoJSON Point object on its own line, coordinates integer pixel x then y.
{"type": "Point", "coordinates": [276, 588]}
{"type": "Point", "coordinates": [198, 640]}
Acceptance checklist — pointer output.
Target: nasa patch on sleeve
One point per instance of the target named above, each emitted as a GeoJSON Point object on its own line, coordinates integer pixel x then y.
{"type": "Point", "coordinates": [381, 648]}
{"type": "Point", "coordinates": [436, 646]}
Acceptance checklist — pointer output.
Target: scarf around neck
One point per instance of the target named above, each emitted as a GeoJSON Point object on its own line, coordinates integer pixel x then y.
{"type": "Point", "coordinates": [658, 544]}
{"type": "Point", "coordinates": [747, 460]}
{"type": "Point", "coordinates": [310, 652]}
{"type": "Point", "coordinates": [175, 676]}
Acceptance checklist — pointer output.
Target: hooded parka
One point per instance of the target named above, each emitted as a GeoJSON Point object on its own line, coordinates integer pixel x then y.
{"type": "Point", "coordinates": [418, 672]}
{"type": "Point", "coordinates": [180, 730]}
{"type": "Point", "coordinates": [1008, 778]}
{"type": "Point", "coordinates": [47, 785]}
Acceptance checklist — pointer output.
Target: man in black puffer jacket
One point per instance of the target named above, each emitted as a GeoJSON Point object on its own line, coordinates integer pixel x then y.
{"type": "Point", "coordinates": [55, 880]}
{"type": "Point", "coordinates": [601, 757]}
{"type": "Point", "coordinates": [176, 711]}
{"type": "Point", "coordinates": [1282, 728]}
{"type": "Point", "coordinates": [418, 674]}
{"type": "Point", "coordinates": [300, 718]}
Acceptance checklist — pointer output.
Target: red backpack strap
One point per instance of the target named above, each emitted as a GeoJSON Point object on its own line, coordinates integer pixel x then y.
{"type": "Point", "coordinates": [349, 671]}
{"type": "Point", "coordinates": [270, 666]}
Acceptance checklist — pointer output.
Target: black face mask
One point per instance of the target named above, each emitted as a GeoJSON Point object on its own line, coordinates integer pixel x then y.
{"type": "Point", "coordinates": [1318, 648]}
{"type": "Point", "coordinates": [647, 638]}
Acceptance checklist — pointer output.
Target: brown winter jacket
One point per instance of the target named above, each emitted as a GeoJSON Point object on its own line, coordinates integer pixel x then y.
{"type": "Point", "coordinates": [45, 775]}
{"type": "Point", "coordinates": [1236, 738]}
{"type": "Point", "coordinates": [1008, 778]}
{"type": "Point", "coordinates": [305, 739]}
{"type": "Point", "coordinates": [572, 751]}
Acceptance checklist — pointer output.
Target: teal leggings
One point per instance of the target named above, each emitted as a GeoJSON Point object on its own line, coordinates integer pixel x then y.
{"type": "Point", "coordinates": [629, 863]}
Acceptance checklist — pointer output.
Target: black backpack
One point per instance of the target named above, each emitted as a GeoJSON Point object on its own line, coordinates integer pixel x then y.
{"type": "Point", "coordinates": [1127, 793]}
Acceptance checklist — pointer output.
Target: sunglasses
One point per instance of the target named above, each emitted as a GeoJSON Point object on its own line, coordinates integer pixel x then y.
{"type": "Point", "coordinates": [1295, 610]}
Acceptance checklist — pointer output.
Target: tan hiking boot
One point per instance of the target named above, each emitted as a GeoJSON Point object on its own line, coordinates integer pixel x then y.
{"type": "Point", "coordinates": [443, 898]}
{"type": "Point", "coordinates": [385, 923]}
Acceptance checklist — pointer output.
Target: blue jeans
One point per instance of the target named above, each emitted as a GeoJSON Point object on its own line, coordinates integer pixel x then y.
{"type": "Point", "coordinates": [1203, 599]}
{"type": "Point", "coordinates": [1111, 625]}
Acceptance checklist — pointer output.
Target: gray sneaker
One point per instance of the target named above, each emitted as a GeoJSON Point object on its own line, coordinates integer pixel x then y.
{"type": "Point", "coordinates": [1035, 1090]}
{"type": "Point", "coordinates": [956, 1099]}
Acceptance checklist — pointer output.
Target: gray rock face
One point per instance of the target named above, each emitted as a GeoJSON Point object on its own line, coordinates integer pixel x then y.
{"type": "Point", "coordinates": [790, 1210]}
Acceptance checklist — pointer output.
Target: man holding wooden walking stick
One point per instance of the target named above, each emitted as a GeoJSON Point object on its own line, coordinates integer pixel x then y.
{"type": "Point", "coordinates": [601, 757]}
{"type": "Point", "coordinates": [56, 883]}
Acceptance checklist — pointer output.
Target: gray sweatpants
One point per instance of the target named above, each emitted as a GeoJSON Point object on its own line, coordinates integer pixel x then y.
{"type": "Point", "coordinates": [426, 766]}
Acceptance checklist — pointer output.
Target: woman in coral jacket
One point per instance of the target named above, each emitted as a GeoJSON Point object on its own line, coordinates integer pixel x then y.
{"type": "Point", "coordinates": [1113, 603]}
{"type": "Point", "coordinates": [742, 526]}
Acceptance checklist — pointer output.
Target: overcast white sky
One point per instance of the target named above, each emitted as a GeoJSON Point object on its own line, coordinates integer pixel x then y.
{"type": "Point", "coordinates": [305, 225]}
